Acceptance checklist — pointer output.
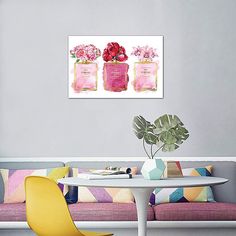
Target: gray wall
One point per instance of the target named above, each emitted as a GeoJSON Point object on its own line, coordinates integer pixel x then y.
{"type": "Point", "coordinates": [37, 118]}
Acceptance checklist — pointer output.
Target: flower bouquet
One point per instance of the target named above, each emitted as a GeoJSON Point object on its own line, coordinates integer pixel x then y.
{"type": "Point", "coordinates": [85, 67]}
{"type": "Point", "coordinates": [145, 71]}
{"type": "Point", "coordinates": [115, 71]}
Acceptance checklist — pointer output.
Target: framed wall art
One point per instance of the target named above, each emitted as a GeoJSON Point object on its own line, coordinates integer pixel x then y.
{"type": "Point", "coordinates": [115, 66]}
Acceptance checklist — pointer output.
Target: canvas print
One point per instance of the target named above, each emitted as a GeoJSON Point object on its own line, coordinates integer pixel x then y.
{"type": "Point", "coordinates": [115, 66]}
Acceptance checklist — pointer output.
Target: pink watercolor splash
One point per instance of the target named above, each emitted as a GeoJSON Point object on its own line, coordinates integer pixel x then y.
{"type": "Point", "coordinates": [85, 77]}
{"type": "Point", "coordinates": [145, 77]}
{"type": "Point", "coordinates": [115, 76]}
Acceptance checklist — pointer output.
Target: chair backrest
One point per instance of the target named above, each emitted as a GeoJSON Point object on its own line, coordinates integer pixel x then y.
{"type": "Point", "coordinates": [46, 210]}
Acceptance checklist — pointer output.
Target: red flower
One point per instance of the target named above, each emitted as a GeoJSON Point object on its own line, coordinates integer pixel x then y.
{"type": "Point", "coordinates": [113, 48]}
{"type": "Point", "coordinates": [106, 56]}
{"type": "Point", "coordinates": [114, 52]}
{"type": "Point", "coordinates": [122, 50]}
{"type": "Point", "coordinates": [122, 57]}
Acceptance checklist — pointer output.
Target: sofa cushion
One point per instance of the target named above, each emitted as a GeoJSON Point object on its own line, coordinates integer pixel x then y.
{"type": "Point", "coordinates": [81, 212]}
{"type": "Point", "coordinates": [101, 195]}
{"type": "Point", "coordinates": [20, 165]}
{"type": "Point", "coordinates": [12, 212]}
{"type": "Point", "coordinates": [14, 181]}
{"type": "Point", "coordinates": [190, 194]}
{"type": "Point", "coordinates": [224, 169]}
{"type": "Point", "coordinates": [195, 211]}
{"type": "Point", "coordinates": [106, 212]}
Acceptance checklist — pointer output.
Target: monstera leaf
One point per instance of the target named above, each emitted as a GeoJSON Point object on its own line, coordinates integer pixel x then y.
{"type": "Point", "coordinates": [170, 131]}
{"type": "Point", "coordinates": [166, 134]}
{"type": "Point", "coordinates": [166, 122]}
{"type": "Point", "coordinates": [144, 129]}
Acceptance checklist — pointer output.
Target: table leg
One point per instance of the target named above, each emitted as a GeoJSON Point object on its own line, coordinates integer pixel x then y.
{"type": "Point", "coordinates": [142, 196]}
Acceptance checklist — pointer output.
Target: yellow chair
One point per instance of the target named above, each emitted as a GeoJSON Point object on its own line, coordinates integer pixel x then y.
{"type": "Point", "coordinates": [47, 212]}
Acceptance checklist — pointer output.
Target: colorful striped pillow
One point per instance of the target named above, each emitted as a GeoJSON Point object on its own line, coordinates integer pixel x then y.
{"type": "Point", "coordinates": [109, 195]}
{"type": "Point", "coordinates": [194, 194]}
{"type": "Point", "coordinates": [14, 191]}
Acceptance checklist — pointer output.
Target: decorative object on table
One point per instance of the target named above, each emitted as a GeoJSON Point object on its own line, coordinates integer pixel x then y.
{"type": "Point", "coordinates": [191, 194]}
{"type": "Point", "coordinates": [14, 188]}
{"type": "Point", "coordinates": [112, 171]}
{"type": "Point", "coordinates": [114, 68]}
{"type": "Point", "coordinates": [87, 194]}
{"type": "Point", "coordinates": [126, 170]}
{"type": "Point", "coordinates": [115, 71]}
{"type": "Point", "coordinates": [153, 169]}
{"type": "Point", "coordinates": [94, 176]}
{"type": "Point", "coordinates": [173, 169]}
{"type": "Point", "coordinates": [85, 67]}
{"type": "Point", "coordinates": [167, 133]}
{"type": "Point", "coordinates": [108, 173]}
{"type": "Point", "coordinates": [145, 71]}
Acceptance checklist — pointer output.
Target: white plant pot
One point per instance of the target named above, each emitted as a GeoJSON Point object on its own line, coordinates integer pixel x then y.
{"type": "Point", "coordinates": [153, 169]}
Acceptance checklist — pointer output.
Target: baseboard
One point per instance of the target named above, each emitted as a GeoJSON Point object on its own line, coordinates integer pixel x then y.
{"type": "Point", "coordinates": [133, 224]}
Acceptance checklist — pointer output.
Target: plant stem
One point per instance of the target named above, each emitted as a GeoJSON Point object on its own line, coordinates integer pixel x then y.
{"type": "Point", "coordinates": [145, 149]}
{"type": "Point", "coordinates": [158, 150]}
{"type": "Point", "coordinates": [151, 151]}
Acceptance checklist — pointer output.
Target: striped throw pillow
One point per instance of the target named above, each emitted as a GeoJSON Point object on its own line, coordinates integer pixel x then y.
{"type": "Point", "coordinates": [191, 194]}
{"type": "Point", "coordinates": [109, 195]}
{"type": "Point", "coordinates": [14, 180]}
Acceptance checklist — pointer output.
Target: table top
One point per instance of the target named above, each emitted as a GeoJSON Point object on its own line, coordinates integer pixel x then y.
{"type": "Point", "coordinates": [139, 182]}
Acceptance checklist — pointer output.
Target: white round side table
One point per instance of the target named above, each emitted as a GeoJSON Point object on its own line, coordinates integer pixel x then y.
{"type": "Point", "coordinates": [142, 189]}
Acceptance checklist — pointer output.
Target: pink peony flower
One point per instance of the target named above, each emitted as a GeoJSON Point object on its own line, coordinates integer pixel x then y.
{"type": "Point", "coordinates": [91, 56]}
{"type": "Point", "coordinates": [85, 53]}
{"type": "Point", "coordinates": [80, 53]}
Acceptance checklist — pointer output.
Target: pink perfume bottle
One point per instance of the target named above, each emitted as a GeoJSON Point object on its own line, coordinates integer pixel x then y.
{"type": "Point", "coordinates": [145, 76]}
{"type": "Point", "coordinates": [85, 76]}
{"type": "Point", "coordinates": [115, 76]}
{"type": "Point", "coordinates": [115, 70]}
{"type": "Point", "coordinates": [145, 71]}
{"type": "Point", "coordinates": [85, 67]}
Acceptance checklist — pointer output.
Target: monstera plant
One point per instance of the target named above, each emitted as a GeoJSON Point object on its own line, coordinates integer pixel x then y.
{"type": "Point", "coordinates": [167, 133]}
